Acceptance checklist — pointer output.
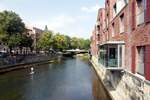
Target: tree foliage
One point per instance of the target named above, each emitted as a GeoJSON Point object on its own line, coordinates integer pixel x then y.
{"type": "Point", "coordinates": [11, 23]}
{"type": "Point", "coordinates": [45, 41]}
{"type": "Point", "coordinates": [12, 29]}
{"type": "Point", "coordinates": [60, 42]}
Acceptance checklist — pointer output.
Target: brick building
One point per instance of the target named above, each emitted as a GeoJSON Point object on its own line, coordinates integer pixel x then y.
{"type": "Point", "coordinates": [35, 34]}
{"type": "Point", "coordinates": [121, 37]}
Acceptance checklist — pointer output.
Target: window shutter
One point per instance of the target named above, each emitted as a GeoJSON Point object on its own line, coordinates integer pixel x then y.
{"type": "Point", "coordinates": [133, 16]}
{"type": "Point", "coordinates": [133, 53]}
{"type": "Point", "coordinates": [147, 10]}
{"type": "Point", "coordinates": [147, 62]}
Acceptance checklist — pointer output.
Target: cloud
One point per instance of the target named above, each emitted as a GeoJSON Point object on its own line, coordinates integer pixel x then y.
{"type": "Point", "coordinates": [90, 9]}
{"type": "Point", "coordinates": [65, 24]}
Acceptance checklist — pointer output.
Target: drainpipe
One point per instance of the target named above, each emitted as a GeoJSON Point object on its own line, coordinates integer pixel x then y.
{"type": "Point", "coordinates": [118, 56]}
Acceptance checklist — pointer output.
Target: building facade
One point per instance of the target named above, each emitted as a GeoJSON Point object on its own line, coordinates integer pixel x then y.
{"type": "Point", "coordinates": [122, 37]}
{"type": "Point", "coordinates": [35, 34]}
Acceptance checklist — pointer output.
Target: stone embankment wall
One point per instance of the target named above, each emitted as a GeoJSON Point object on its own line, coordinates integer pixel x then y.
{"type": "Point", "coordinates": [121, 84]}
{"type": "Point", "coordinates": [27, 61]}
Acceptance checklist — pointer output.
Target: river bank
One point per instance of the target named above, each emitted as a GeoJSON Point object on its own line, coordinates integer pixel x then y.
{"type": "Point", "coordinates": [34, 60]}
{"type": "Point", "coordinates": [28, 62]}
{"type": "Point", "coordinates": [121, 84]}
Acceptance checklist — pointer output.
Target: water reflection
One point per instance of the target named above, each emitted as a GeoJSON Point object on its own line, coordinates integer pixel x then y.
{"type": "Point", "coordinates": [99, 92]}
{"type": "Point", "coordinates": [68, 79]}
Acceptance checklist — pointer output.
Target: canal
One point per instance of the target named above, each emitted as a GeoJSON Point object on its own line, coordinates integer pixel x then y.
{"type": "Point", "coordinates": [67, 79]}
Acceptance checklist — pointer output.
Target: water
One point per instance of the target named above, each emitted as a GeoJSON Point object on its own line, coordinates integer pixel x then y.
{"type": "Point", "coordinates": [69, 79]}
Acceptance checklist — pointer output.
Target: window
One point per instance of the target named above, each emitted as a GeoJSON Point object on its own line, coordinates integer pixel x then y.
{"type": "Point", "coordinates": [114, 10]}
{"type": "Point", "coordinates": [98, 37]}
{"type": "Point", "coordinates": [113, 30]}
{"type": "Point", "coordinates": [140, 60]}
{"type": "Point", "coordinates": [140, 11]}
{"type": "Point", "coordinates": [112, 53]}
{"type": "Point", "coordinates": [112, 60]}
{"type": "Point", "coordinates": [122, 23]}
{"type": "Point", "coordinates": [121, 4]}
{"type": "Point", "coordinates": [98, 27]}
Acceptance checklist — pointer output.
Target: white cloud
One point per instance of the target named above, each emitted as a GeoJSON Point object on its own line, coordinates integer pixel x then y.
{"type": "Point", "coordinates": [66, 24]}
{"type": "Point", "coordinates": [90, 9]}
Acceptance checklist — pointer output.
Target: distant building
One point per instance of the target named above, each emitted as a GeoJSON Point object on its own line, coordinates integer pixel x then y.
{"type": "Point", "coordinates": [35, 34]}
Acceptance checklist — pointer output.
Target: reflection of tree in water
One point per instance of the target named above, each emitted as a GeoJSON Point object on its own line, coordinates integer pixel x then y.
{"type": "Point", "coordinates": [99, 92]}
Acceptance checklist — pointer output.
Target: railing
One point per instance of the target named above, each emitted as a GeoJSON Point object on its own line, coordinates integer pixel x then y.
{"type": "Point", "coordinates": [112, 63]}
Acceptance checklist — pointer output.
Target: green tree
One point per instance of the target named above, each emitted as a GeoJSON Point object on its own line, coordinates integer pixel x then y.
{"type": "Point", "coordinates": [68, 40]}
{"type": "Point", "coordinates": [11, 28]}
{"type": "Point", "coordinates": [74, 43]}
{"type": "Point", "coordinates": [45, 41]}
{"type": "Point", "coordinates": [79, 43]}
{"type": "Point", "coordinates": [11, 23]}
{"type": "Point", "coordinates": [87, 43]}
{"type": "Point", "coordinates": [60, 42]}
{"type": "Point", "coordinates": [26, 41]}
{"type": "Point", "coordinates": [14, 41]}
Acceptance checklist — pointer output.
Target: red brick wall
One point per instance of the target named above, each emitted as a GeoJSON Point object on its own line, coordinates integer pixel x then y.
{"type": "Point", "coordinates": [133, 36]}
{"type": "Point", "coordinates": [94, 48]}
{"type": "Point", "coordinates": [133, 56]}
{"type": "Point", "coordinates": [133, 13]}
{"type": "Point", "coordinates": [147, 62]}
{"type": "Point", "coordinates": [147, 10]}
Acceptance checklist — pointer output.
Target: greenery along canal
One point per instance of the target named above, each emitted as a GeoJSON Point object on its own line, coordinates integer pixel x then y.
{"type": "Point", "coordinates": [68, 79]}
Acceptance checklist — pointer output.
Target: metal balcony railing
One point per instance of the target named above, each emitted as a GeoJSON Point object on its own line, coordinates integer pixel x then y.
{"type": "Point", "coordinates": [113, 63]}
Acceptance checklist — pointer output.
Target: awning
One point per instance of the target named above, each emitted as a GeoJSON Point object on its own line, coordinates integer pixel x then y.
{"type": "Point", "coordinates": [113, 43]}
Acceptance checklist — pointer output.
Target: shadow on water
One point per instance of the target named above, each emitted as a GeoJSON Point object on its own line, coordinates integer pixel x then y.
{"type": "Point", "coordinates": [99, 92]}
{"type": "Point", "coordinates": [65, 79]}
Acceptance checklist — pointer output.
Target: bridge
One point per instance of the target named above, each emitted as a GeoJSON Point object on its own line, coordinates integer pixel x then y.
{"type": "Point", "coordinates": [74, 52]}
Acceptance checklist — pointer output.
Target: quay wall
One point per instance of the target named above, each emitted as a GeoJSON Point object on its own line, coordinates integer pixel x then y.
{"type": "Point", "coordinates": [121, 84]}
{"type": "Point", "coordinates": [27, 62]}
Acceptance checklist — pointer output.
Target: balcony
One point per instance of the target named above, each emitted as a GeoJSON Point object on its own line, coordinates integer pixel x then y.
{"type": "Point", "coordinates": [112, 54]}
{"type": "Point", "coordinates": [112, 62]}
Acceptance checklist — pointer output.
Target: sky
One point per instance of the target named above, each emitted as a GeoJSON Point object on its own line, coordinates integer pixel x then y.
{"type": "Point", "coordinates": [70, 17]}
